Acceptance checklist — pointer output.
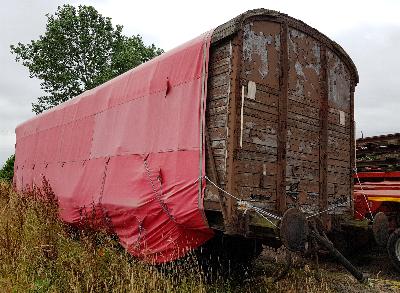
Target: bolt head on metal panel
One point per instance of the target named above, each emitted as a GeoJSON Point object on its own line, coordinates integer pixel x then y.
{"type": "Point", "coordinates": [294, 230]}
{"type": "Point", "coordinates": [380, 228]}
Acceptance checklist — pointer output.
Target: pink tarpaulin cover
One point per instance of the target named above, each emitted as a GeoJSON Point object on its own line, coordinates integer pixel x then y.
{"type": "Point", "coordinates": [130, 150]}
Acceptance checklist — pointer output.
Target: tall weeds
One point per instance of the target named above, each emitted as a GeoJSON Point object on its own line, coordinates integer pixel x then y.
{"type": "Point", "coordinates": [39, 253]}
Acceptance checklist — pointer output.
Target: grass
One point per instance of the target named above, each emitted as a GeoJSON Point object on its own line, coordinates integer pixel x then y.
{"type": "Point", "coordinates": [38, 254]}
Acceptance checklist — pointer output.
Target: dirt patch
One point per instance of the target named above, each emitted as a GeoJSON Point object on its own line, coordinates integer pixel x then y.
{"type": "Point", "coordinates": [305, 275]}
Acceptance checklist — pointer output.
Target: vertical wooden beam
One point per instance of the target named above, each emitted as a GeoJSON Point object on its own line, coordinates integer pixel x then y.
{"type": "Point", "coordinates": [214, 173]}
{"type": "Point", "coordinates": [282, 122]}
{"type": "Point", "coordinates": [232, 134]}
{"type": "Point", "coordinates": [323, 137]}
{"type": "Point", "coordinates": [352, 143]}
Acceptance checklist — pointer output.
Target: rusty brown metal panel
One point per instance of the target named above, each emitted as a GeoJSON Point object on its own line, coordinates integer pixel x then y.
{"type": "Point", "coordinates": [323, 149]}
{"type": "Point", "coordinates": [282, 124]}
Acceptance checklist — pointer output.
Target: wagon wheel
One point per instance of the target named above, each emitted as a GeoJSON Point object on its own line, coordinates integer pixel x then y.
{"type": "Point", "coordinates": [393, 248]}
{"type": "Point", "coordinates": [294, 230]}
{"type": "Point", "coordinates": [380, 229]}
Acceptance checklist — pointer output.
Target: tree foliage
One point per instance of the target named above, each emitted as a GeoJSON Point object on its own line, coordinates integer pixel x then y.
{"type": "Point", "coordinates": [7, 172]}
{"type": "Point", "coordinates": [79, 50]}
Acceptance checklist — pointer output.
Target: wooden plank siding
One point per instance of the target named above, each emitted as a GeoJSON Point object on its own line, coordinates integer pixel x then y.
{"type": "Point", "coordinates": [280, 116]}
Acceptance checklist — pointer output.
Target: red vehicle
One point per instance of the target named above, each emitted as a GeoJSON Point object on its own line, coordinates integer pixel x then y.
{"type": "Point", "coordinates": [377, 190]}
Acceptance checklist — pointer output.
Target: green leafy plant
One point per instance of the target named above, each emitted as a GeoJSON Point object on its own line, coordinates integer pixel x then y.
{"type": "Point", "coordinates": [79, 50]}
{"type": "Point", "coordinates": [7, 172]}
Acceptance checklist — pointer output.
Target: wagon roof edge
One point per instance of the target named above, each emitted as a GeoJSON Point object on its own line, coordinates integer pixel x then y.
{"type": "Point", "coordinates": [235, 24]}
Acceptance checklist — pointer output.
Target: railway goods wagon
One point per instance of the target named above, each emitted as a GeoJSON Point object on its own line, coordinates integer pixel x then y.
{"type": "Point", "coordinates": [247, 130]}
{"type": "Point", "coordinates": [280, 124]}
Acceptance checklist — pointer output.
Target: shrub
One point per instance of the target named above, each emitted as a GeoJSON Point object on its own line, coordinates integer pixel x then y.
{"type": "Point", "coordinates": [7, 172]}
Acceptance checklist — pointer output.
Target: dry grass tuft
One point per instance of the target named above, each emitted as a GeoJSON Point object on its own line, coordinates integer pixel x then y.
{"type": "Point", "coordinates": [38, 254]}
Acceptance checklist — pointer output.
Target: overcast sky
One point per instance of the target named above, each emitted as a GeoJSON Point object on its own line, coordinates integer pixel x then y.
{"type": "Point", "coordinates": [368, 30]}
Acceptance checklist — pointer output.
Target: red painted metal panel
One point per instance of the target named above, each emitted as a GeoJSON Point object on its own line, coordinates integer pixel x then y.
{"type": "Point", "coordinates": [375, 193]}
{"type": "Point", "coordinates": [393, 174]}
{"type": "Point", "coordinates": [130, 151]}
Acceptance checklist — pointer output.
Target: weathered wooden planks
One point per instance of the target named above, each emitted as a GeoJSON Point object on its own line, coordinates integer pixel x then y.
{"type": "Point", "coordinates": [280, 115]}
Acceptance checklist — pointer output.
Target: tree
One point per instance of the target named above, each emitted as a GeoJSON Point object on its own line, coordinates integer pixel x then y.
{"type": "Point", "coordinates": [7, 172]}
{"type": "Point", "coordinates": [79, 50]}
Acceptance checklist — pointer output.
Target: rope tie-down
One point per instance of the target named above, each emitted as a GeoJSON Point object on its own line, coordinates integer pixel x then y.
{"type": "Point", "coordinates": [365, 197]}
{"type": "Point", "coordinates": [302, 227]}
{"type": "Point", "coordinates": [267, 215]}
{"type": "Point", "coordinates": [247, 205]}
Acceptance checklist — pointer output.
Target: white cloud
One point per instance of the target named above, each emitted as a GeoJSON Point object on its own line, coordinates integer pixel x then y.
{"type": "Point", "coordinates": [7, 142]}
{"type": "Point", "coordinates": [374, 50]}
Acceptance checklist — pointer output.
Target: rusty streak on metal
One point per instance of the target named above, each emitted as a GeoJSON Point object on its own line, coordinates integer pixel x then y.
{"type": "Point", "coordinates": [282, 122]}
{"type": "Point", "coordinates": [323, 137]}
{"type": "Point", "coordinates": [232, 139]}
{"type": "Point", "coordinates": [214, 174]}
